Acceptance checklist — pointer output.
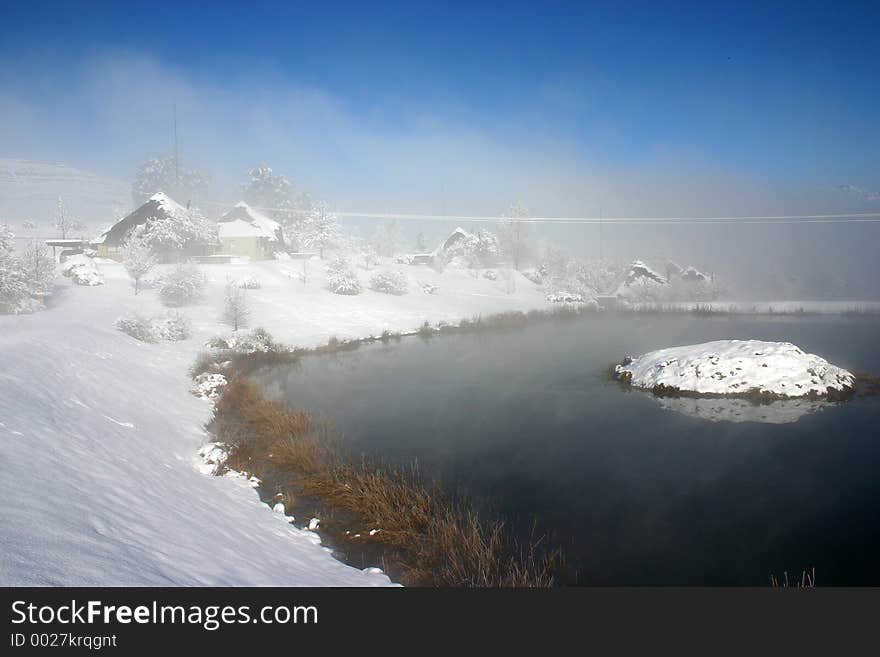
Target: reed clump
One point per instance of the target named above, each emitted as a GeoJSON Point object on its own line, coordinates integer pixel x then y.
{"type": "Point", "coordinates": [431, 540]}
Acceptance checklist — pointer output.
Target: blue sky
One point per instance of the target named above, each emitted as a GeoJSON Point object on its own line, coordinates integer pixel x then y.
{"type": "Point", "coordinates": [777, 101]}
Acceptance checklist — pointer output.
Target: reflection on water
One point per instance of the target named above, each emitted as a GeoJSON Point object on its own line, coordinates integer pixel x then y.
{"type": "Point", "coordinates": [529, 425]}
{"type": "Point", "coordinates": [718, 409]}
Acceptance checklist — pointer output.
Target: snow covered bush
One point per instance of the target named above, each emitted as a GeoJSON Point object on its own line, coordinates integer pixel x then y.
{"type": "Point", "coordinates": [534, 275]}
{"type": "Point", "coordinates": [173, 327]}
{"type": "Point", "coordinates": [82, 270]}
{"type": "Point", "coordinates": [208, 384]}
{"type": "Point", "coordinates": [257, 340]}
{"type": "Point", "coordinates": [249, 283]}
{"type": "Point", "coordinates": [341, 279]}
{"type": "Point", "coordinates": [428, 288]}
{"type": "Point", "coordinates": [169, 328]}
{"type": "Point", "coordinates": [138, 327]}
{"type": "Point", "coordinates": [182, 285]}
{"type": "Point", "coordinates": [392, 282]}
{"type": "Point", "coordinates": [565, 297]}
{"type": "Point", "coordinates": [490, 274]}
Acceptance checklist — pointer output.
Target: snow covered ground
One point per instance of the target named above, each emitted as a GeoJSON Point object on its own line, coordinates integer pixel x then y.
{"type": "Point", "coordinates": [737, 367]}
{"type": "Point", "coordinates": [99, 435]}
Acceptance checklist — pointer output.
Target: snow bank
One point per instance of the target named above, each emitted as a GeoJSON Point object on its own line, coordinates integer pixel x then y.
{"type": "Point", "coordinates": [102, 482]}
{"type": "Point", "coordinates": [737, 367]}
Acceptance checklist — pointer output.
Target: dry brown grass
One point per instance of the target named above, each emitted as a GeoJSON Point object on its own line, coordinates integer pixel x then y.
{"type": "Point", "coordinates": [431, 541]}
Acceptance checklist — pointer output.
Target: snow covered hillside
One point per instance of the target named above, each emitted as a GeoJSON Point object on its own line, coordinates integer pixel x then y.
{"type": "Point", "coordinates": [737, 367]}
{"type": "Point", "coordinates": [99, 435]}
{"type": "Point", "coordinates": [29, 191]}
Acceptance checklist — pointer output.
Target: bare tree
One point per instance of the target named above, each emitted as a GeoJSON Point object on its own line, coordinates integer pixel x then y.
{"type": "Point", "coordinates": [236, 310]}
{"type": "Point", "coordinates": [516, 235]}
{"type": "Point", "coordinates": [63, 221]}
{"type": "Point", "coordinates": [138, 258]}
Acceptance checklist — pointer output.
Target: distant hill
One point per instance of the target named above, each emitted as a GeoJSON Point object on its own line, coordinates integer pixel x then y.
{"type": "Point", "coordinates": [29, 191]}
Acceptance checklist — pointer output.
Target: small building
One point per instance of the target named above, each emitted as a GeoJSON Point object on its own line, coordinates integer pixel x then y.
{"type": "Point", "coordinates": [458, 235]}
{"type": "Point", "coordinates": [68, 246]}
{"type": "Point", "coordinates": [245, 232]}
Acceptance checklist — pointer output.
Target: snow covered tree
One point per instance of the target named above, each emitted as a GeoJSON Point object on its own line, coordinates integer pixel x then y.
{"type": "Point", "coordinates": [369, 257]}
{"type": "Point", "coordinates": [179, 229]}
{"type": "Point", "coordinates": [516, 235]}
{"type": "Point", "coordinates": [23, 281]}
{"type": "Point", "coordinates": [473, 250]}
{"type": "Point", "coordinates": [138, 258]}
{"type": "Point", "coordinates": [28, 225]}
{"type": "Point", "coordinates": [236, 309]}
{"type": "Point", "coordinates": [321, 230]}
{"type": "Point", "coordinates": [555, 263]}
{"type": "Point", "coordinates": [64, 223]}
{"type": "Point", "coordinates": [598, 276]}
{"type": "Point", "coordinates": [387, 238]}
{"type": "Point", "coordinates": [164, 175]}
{"type": "Point", "coordinates": [39, 268]}
{"type": "Point", "coordinates": [269, 191]}
{"type": "Point", "coordinates": [274, 195]}
{"type": "Point", "coordinates": [13, 283]}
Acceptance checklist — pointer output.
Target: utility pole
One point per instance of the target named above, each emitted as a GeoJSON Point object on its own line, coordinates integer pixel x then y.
{"type": "Point", "coordinates": [176, 154]}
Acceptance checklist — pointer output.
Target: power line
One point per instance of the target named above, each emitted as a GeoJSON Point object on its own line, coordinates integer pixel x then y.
{"type": "Point", "coordinates": [855, 217]}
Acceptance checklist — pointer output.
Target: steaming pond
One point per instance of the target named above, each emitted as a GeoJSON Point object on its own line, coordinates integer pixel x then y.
{"type": "Point", "coordinates": [526, 423]}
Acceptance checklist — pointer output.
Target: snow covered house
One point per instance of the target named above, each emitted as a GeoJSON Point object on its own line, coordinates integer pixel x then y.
{"type": "Point", "coordinates": [640, 282]}
{"type": "Point", "coordinates": [174, 231]}
{"type": "Point", "coordinates": [245, 232]}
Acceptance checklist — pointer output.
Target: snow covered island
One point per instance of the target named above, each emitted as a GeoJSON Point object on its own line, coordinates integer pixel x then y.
{"type": "Point", "coordinates": [737, 368]}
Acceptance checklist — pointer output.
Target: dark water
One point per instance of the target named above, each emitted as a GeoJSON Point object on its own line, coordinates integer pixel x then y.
{"type": "Point", "coordinates": [527, 423]}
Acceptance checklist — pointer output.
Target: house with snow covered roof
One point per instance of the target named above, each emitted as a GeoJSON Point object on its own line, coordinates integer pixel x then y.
{"type": "Point", "coordinates": [244, 231]}
{"type": "Point", "coordinates": [173, 230]}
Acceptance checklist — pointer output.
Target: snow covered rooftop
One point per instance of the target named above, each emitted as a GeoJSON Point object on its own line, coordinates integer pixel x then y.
{"type": "Point", "coordinates": [639, 275]}
{"type": "Point", "coordinates": [166, 203]}
{"type": "Point", "coordinates": [243, 221]}
{"type": "Point", "coordinates": [737, 367]}
{"type": "Point", "coordinates": [158, 205]}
